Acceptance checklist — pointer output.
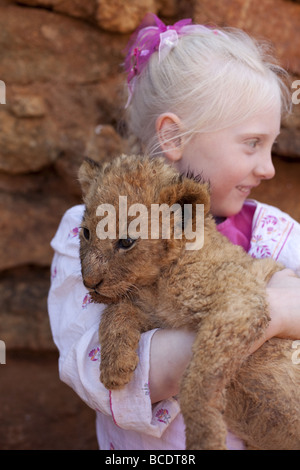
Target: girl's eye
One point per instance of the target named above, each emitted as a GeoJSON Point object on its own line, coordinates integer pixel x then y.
{"type": "Point", "coordinates": [86, 233]}
{"type": "Point", "coordinates": [253, 143]}
{"type": "Point", "coordinates": [126, 243]}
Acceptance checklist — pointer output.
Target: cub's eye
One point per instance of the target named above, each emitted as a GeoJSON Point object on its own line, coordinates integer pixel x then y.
{"type": "Point", "coordinates": [126, 243]}
{"type": "Point", "coordinates": [86, 233]}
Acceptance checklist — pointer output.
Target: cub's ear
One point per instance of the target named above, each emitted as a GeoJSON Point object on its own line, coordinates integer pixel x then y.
{"type": "Point", "coordinates": [88, 172]}
{"type": "Point", "coordinates": [186, 191]}
{"type": "Point", "coordinates": [194, 200]}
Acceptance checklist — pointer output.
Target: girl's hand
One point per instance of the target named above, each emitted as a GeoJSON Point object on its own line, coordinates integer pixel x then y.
{"type": "Point", "coordinates": [284, 299]}
{"type": "Point", "coordinates": [283, 293]}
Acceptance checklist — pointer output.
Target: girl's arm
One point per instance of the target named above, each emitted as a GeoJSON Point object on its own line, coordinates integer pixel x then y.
{"type": "Point", "coordinates": [170, 353]}
{"type": "Point", "coordinates": [283, 293]}
{"type": "Point", "coordinates": [171, 350]}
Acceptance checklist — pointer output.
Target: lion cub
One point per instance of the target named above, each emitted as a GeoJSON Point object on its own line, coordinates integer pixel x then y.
{"type": "Point", "coordinates": [218, 291]}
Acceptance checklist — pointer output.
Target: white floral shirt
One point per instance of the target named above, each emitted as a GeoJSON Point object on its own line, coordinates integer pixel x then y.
{"type": "Point", "coordinates": [275, 234]}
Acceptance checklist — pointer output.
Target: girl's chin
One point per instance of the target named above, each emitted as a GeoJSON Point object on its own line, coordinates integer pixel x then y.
{"type": "Point", "coordinates": [228, 210]}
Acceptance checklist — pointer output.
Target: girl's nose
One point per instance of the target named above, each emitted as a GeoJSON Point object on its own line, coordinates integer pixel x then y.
{"type": "Point", "coordinates": [265, 168]}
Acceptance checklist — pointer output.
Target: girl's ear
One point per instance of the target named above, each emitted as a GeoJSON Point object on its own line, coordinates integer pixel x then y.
{"type": "Point", "coordinates": [168, 127]}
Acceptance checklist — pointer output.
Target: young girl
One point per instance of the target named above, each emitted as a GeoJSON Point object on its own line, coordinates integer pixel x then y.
{"type": "Point", "coordinates": [211, 102]}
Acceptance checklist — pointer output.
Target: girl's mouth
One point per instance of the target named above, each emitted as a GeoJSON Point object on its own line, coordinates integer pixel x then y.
{"type": "Point", "coordinates": [244, 189]}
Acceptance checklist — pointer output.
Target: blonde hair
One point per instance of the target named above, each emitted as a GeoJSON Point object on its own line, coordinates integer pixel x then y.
{"type": "Point", "coordinates": [210, 81]}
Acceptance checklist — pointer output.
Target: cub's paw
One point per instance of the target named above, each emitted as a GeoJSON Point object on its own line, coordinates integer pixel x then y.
{"type": "Point", "coordinates": [117, 376]}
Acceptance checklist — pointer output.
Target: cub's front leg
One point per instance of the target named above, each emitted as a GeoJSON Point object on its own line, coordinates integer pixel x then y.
{"type": "Point", "coordinates": [119, 333]}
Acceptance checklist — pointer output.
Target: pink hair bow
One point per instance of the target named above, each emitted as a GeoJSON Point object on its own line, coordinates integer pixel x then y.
{"type": "Point", "coordinates": [153, 35]}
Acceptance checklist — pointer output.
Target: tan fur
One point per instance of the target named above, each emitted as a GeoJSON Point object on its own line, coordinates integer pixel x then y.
{"type": "Point", "coordinates": [217, 291]}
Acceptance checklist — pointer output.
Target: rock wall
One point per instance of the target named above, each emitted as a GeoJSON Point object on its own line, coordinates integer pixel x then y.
{"type": "Point", "coordinates": [60, 61]}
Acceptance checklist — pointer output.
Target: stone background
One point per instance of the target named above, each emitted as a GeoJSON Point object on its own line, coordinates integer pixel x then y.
{"type": "Point", "coordinates": [60, 61]}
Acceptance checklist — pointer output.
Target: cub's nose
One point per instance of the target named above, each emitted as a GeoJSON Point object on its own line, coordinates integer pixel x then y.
{"type": "Point", "coordinates": [89, 284]}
